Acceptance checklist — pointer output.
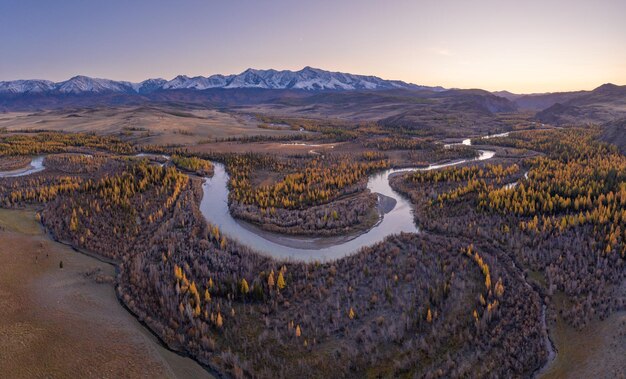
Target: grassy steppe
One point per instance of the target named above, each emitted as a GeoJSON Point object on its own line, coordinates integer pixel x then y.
{"type": "Point", "coordinates": [67, 322]}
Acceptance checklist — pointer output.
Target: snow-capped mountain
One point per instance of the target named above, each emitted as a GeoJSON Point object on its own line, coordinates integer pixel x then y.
{"type": "Point", "coordinates": [310, 79]}
{"type": "Point", "coordinates": [198, 82]}
{"type": "Point", "coordinates": [149, 85]}
{"type": "Point", "coordinates": [251, 78]}
{"type": "Point", "coordinates": [79, 84]}
{"type": "Point", "coordinates": [26, 86]}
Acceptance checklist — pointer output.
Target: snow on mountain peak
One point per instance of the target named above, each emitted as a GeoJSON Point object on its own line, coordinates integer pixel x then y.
{"type": "Point", "coordinates": [26, 86]}
{"type": "Point", "coordinates": [80, 83]}
{"type": "Point", "coordinates": [308, 78]}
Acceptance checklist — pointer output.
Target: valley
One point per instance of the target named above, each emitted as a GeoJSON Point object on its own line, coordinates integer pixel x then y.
{"type": "Point", "coordinates": [295, 233]}
{"type": "Point", "coordinates": [241, 293]}
{"type": "Point", "coordinates": [322, 189]}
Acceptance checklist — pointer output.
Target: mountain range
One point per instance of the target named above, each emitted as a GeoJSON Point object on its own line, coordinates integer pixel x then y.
{"type": "Point", "coordinates": [312, 92]}
{"type": "Point", "coordinates": [309, 79]}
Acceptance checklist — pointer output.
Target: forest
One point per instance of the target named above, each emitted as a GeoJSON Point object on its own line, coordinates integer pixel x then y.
{"type": "Point", "coordinates": [566, 214]}
{"type": "Point", "coordinates": [315, 182]}
{"type": "Point", "coordinates": [193, 164]}
{"type": "Point", "coordinates": [455, 300]}
{"type": "Point", "coordinates": [208, 295]}
{"type": "Point", "coordinates": [317, 196]}
{"type": "Point", "coordinates": [34, 143]}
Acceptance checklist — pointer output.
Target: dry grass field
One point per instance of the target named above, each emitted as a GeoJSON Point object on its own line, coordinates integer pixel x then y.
{"type": "Point", "coordinates": [67, 323]}
{"type": "Point", "coordinates": [144, 124]}
{"type": "Point", "coordinates": [279, 148]}
{"type": "Point", "coordinates": [597, 351]}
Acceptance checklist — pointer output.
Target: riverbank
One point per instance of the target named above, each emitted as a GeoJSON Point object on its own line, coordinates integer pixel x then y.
{"type": "Point", "coordinates": [36, 165]}
{"type": "Point", "coordinates": [14, 163]}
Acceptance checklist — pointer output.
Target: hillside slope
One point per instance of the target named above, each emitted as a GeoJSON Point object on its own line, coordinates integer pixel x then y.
{"type": "Point", "coordinates": [615, 133]}
{"type": "Point", "coordinates": [604, 104]}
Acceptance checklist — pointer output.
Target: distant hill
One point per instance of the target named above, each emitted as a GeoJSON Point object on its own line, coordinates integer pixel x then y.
{"type": "Point", "coordinates": [452, 110]}
{"type": "Point", "coordinates": [507, 95]}
{"type": "Point", "coordinates": [604, 104]}
{"type": "Point", "coordinates": [543, 101]}
{"type": "Point", "coordinates": [427, 111]}
{"type": "Point", "coordinates": [537, 102]}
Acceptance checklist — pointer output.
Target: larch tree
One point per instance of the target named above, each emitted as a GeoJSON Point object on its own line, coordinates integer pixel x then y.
{"type": "Point", "coordinates": [281, 281]}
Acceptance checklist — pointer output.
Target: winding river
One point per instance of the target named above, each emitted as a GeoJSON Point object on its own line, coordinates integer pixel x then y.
{"type": "Point", "coordinates": [398, 218]}
{"type": "Point", "coordinates": [36, 165]}
{"type": "Point", "coordinates": [396, 215]}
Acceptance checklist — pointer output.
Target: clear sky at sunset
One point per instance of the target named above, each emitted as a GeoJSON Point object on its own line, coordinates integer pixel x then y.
{"type": "Point", "coordinates": [521, 46]}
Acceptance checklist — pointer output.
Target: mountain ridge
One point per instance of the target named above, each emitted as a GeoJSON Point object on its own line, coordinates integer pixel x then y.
{"type": "Point", "coordinates": [541, 101]}
{"type": "Point", "coordinates": [308, 79]}
{"type": "Point", "coordinates": [602, 104]}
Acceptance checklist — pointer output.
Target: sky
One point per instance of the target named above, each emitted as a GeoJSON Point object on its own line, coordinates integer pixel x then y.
{"type": "Point", "coordinates": [520, 46]}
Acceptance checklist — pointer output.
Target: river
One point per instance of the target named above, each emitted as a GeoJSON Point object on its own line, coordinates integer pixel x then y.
{"type": "Point", "coordinates": [399, 218]}
{"type": "Point", "coordinates": [36, 165]}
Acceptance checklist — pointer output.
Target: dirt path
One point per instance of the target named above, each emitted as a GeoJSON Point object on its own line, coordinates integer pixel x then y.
{"type": "Point", "coordinates": [67, 322]}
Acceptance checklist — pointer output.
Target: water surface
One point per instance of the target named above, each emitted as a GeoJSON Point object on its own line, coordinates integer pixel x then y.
{"type": "Point", "coordinates": [214, 207]}
{"type": "Point", "coordinates": [36, 165]}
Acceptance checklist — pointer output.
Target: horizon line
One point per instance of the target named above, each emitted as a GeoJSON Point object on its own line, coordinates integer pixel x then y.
{"type": "Point", "coordinates": [103, 77]}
